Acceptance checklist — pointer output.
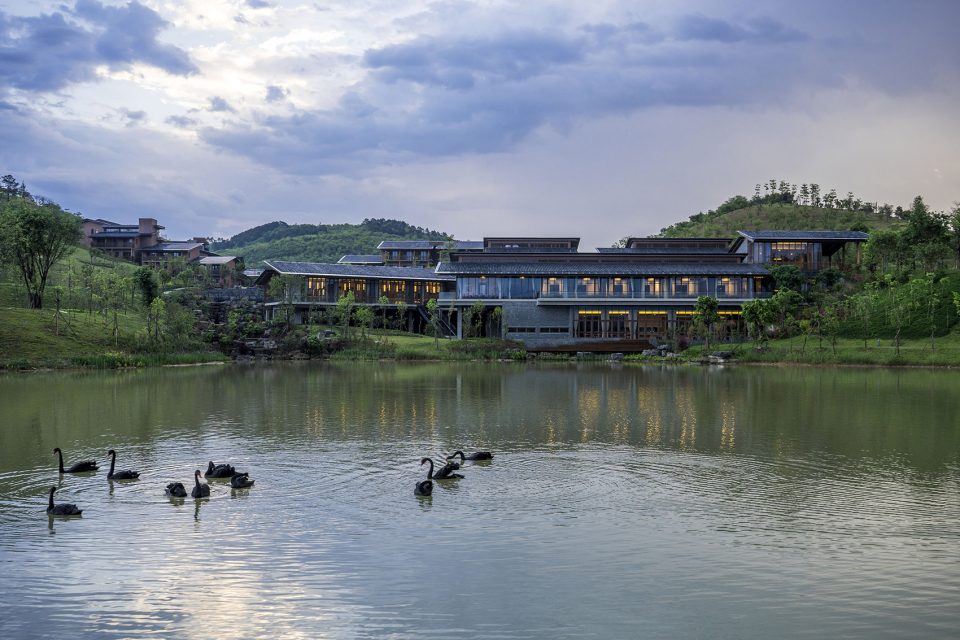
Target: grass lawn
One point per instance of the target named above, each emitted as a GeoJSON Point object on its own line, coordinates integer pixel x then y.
{"type": "Point", "coordinates": [915, 352]}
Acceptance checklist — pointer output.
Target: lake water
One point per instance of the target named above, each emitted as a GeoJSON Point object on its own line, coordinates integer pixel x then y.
{"type": "Point", "coordinates": [622, 502]}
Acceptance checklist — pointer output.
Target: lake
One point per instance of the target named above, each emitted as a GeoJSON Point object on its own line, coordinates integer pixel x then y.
{"type": "Point", "coordinates": [622, 502]}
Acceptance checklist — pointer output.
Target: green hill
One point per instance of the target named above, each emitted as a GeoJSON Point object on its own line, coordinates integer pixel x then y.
{"type": "Point", "coordinates": [725, 222]}
{"type": "Point", "coordinates": [318, 242]}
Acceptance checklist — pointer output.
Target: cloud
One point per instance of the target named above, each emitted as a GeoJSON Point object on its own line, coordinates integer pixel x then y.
{"type": "Point", "coordinates": [762, 29]}
{"type": "Point", "coordinates": [50, 51]}
{"type": "Point", "coordinates": [276, 94]}
{"type": "Point", "coordinates": [132, 118]}
{"type": "Point", "coordinates": [218, 104]}
{"type": "Point", "coordinates": [181, 122]}
{"type": "Point", "coordinates": [444, 96]}
{"type": "Point", "coordinates": [258, 4]}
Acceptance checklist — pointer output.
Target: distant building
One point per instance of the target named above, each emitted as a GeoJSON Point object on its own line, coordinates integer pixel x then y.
{"type": "Point", "coordinates": [225, 271]}
{"type": "Point", "coordinates": [123, 240]}
{"type": "Point", "coordinates": [164, 253]}
{"type": "Point", "coordinates": [421, 253]}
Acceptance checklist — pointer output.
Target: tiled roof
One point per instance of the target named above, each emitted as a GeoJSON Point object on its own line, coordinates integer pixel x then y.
{"type": "Point", "coordinates": [353, 270]}
{"type": "Point", "coordinates": [116, 234]}
{"type": "Point", "coordinates": [666, 250]}
{"type": "Point", "coordinates": [217, 260]}
{"type": "Point", "coordinates": [172, 246]}
{"type": "Point", "coordinates": [805, 235]}
{"type": "Point", "coordinates": [361, 259]}
{"type": "Point", "coordinates": [458, 245]}
{"type": "Point", "coordinates": [599, 269]}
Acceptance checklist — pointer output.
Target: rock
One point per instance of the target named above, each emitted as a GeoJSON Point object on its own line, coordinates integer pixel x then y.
{"type": "Point", "coordinates": [650, 353]}
{"type": "Point", "coordinates": [722, 355]}
{"type": "Point", "coordinates": [583, 354]}
{"type": "Point", "coordinates": [616, 357]}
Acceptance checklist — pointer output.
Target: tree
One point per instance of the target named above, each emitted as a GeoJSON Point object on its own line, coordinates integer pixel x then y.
{"type": "Point", "coordinates": [34, 238]}
{"type": "Point", "coordinates": [401, 313]}
{"type": "Point", "coordinates": [433, 309]}
{"type": "Point", "coordinates": [758, 314]}
{"type": "Point", "coordinates": [706, 315]}
{"type": "Point", "coordinates": [281, 289]}
{"type": "Point", "coordinates": [365, 318]}
{"type": "Point", "coordinates": [345, 305]}
{"type": "Point", "coordinates": [157, 318]}
{"type": "Point", "coordinates": [786, 276]}
{"type": "Point", "coordinates": [383, 301]}
{"type": "Point", "coordinates": [147, 284]}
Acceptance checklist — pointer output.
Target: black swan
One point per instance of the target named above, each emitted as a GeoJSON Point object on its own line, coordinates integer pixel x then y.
{"type": "Point", "coordinates": [176, 490]}
{"type": "Point", "coordinates": [446, 472]}
{"type": "Point", "coordinates": [80, 467]}
{"type": "Point", "coordinates": [219, 471]}
{"type": "Point", "coordinates": [423, 488]}
{"type": "Point", "coordinates": [241, 481]}
{"type": "Point", "coordinates": [62, 509]}
{"type": "Point", "coordinates": [200, 490]}
{"type": "Point", "coordinates": [120, 475]}
{"type": "Point", "coordinates": [479, 455]}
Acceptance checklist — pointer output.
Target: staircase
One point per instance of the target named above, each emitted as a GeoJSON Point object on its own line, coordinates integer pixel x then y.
{"type": "Point", "coordinates": [446, 329]}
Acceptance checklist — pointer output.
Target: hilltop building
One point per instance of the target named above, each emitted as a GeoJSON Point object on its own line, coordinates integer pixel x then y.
{"type": "Point", "coordinates": [548, 295]}
{"type": "Point", "coordinates": [142, 244]}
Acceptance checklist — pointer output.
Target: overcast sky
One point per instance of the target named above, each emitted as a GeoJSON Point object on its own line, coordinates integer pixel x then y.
{"type": "Point", "coordinates": [595, 118]}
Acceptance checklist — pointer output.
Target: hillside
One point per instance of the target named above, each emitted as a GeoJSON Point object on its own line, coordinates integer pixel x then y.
{"type": "Point", "coordinates": [318, 243]}
{"type": "Point", "coordinates": [780, 215]}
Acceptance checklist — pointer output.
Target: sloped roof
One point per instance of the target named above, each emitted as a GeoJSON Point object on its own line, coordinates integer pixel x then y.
{"type": "Point", "coordinates": [599, 269]}
{"type": "Point", "coordinates": [353, 270]}
{"type": "Point", "coordinates": [849, 236]}
{"type": "Point", "coordinates": [458, 245]}
{"type": "Point", "coordinates": [208, 260]}
{"type": "Point", "coordinates": [172, 246]}
{"type": "Point", "coordinates": [360, 259]}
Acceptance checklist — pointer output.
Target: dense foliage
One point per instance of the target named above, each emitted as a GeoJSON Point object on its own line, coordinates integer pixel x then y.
{"type": "Point", "coordinates": [779, 205]}
{"type": "Point", "coordinates": [319, 242]}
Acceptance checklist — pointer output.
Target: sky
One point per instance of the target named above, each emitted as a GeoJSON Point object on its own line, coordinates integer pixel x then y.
{"type": "Point", "coordinates": [597, 119]}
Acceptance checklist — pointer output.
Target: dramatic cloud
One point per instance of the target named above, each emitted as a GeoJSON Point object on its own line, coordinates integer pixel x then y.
{"type": "Point", "coordinates": [50, 51]}
{"type": "Point", "coordinates": [471, 116]}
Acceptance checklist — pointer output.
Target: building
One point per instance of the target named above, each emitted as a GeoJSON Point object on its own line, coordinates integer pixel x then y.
{"type": "Point", "coordinates": [320, 285]}
{"type": "Point", "coordinates": [122, 240]}
{"type": "Point", "coordinates": [421, 253]}
{"type": "Point", "coordinates": [550, 296]}
{"type": "Point", "coordinates": [165, 254]}
{"type": "Point", "coordinates": [223, 271]}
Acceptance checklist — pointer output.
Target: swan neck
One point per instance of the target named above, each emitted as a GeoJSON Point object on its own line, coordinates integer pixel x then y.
{"type": "Point", "coordinates": [52, 489]}
{"type": "Point", "coordinates": [60, 457]}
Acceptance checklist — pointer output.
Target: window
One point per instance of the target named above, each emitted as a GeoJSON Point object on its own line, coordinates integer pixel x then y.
{"type": "Point", "coordinates": [587, 287]}
{"type": "Point", "coordinates": [358, 286]}
{"type": "Point", "coordinates": [552, 288]}
{"type": "Point", "coordinates": [684, 287]}
{"type": "Point", "coordinates": [652, 287]}
{"type": "Point", "coordinates": [317, 288]}
{"type": "Point", "coordinates": [394, 290]}
{"type": "Point", "coordinates": [618, 324]}
{"type": "Point", "coordinates": [618, 287]}
{"type": "Point", "coordinates": [588, 324]}
{"type": "Point", "coordinates": [522, 330]}
{"type": "Point", "coordinates": [554, 330]}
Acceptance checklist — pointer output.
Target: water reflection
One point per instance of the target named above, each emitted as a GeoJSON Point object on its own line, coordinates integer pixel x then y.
{"type": "Point", "coordinates": [770, 502]}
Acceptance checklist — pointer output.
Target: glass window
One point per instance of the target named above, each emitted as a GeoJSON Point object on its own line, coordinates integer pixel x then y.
{"type": "Point", "coordinates": [618, 324]}
{"type": "Point", "coordinates": [552, 288]}
{"type": "Point", "coordinates": [587, 287]}
{"type": "Point", "coordinates": [652, 287]}
{"type": "Point", "coordinates": [357, 285]}
{"type": "Point", "coordinates": [619, 287]}
{"type": "Point", "coordinates": [317, 288]}
{"type": "Point", "coordinates": [588, 324]}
